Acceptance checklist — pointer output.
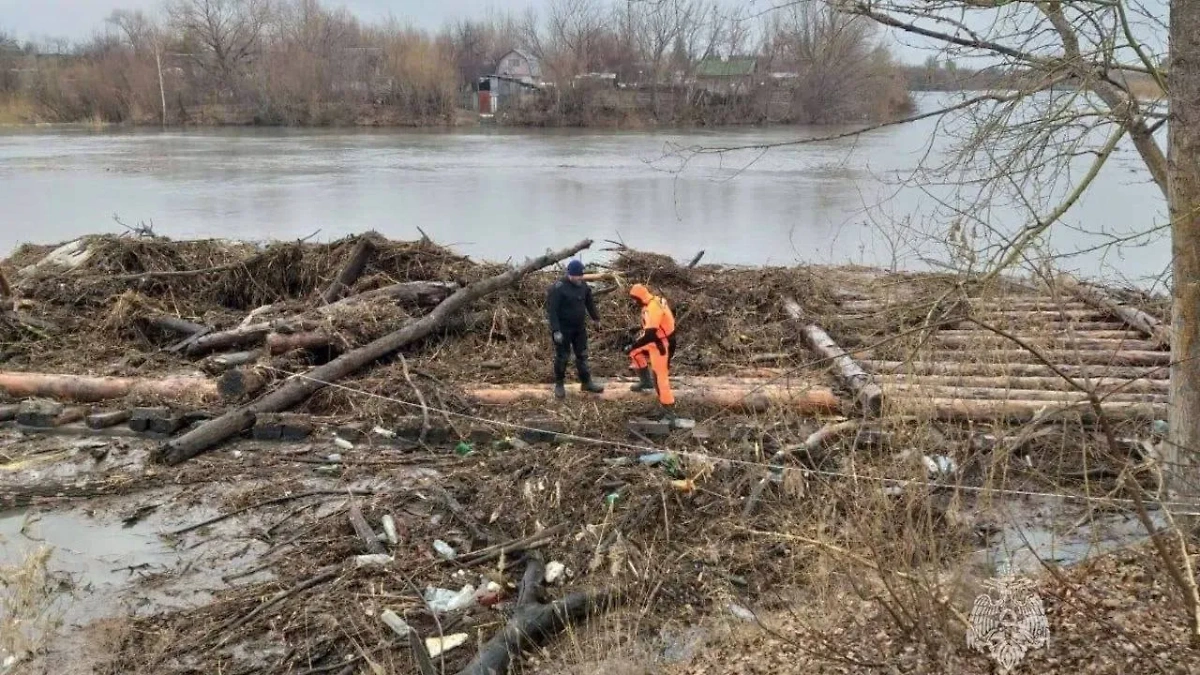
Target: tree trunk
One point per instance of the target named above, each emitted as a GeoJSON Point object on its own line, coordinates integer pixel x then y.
{"type": "Point", "coordinates": [1102, 385]}
{"type": "Point", "coordinates": [84, 389]}
{"type": "Point", "coordinates": [849, 373]}
{"type": "Point", "coordinates": [298, 389]}
{"type": "Point", "coordinates": [704, 391]}
{"type": "Point", "coordinates": [1145, 323]}
{"type": "Point", "coordinates": [958, 409]}
{"type": "Point", "coordinates": [1039, 369]}
{"type": "Point", "coordinates": [1183, 161]}
{"type": "Point", "coordinates": [355, 265]}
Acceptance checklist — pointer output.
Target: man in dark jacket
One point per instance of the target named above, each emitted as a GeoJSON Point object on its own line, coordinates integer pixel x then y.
{"type": "Point", "coordinates": [568, 306]}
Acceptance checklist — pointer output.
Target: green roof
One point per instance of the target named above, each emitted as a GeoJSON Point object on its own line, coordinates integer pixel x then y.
{"type": "Point", "coordinates": [734, 67]}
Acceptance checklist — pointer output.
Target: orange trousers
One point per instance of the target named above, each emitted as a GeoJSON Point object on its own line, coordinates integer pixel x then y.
{"type": "Point", "coordinates": [649, 357]}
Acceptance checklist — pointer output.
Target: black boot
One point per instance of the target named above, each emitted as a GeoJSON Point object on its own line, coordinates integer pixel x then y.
{"type": "Point", "coordinates": [644, 382]}
{"type": "Point", "coordinates": [589, 385]}
{"type": "Point", "coordinates": [560, 391]}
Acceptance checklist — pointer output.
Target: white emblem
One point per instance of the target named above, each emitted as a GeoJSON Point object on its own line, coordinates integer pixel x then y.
{"type": "Point", "coordinates": [1008, 624]}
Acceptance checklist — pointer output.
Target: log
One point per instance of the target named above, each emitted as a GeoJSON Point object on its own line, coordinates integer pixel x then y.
{"type": "Point", "coordinates": [359, 257]}
{"type": "Point", "coordinates": [1016, 369]}
{"type": "Point", "coordinates": [105, 420]}
{"type": "Point", "coordinates": [1043, 341]}
{"type": "Point", "coordinates": [298, 389]}
{"type": "Point", "coordinates": [1001, 394]}
{"type": "Point", "coordinates": [1114, 333]}
{"type": "Point", "coordinates": [1039, 304]}
{"type": "Point", "coordinates": [809, 401]}
{"type": "Point", "coordinates": [239, 383]}
{"type": "Point", "coordinates": [533, 624]}
{"type": "Point", "coordinates": [364, 531]}
{"type": "Point", "coordinates": [1101, 384]}
{"type": "Point", "coordinates": [223, 362]}
{"type": "Point", "coordinates": [1019, 411]}
{"type": "Point", "coordinates": [1056, 356]}
{"type": "Point", "coordinates": [868, 394]}
{"type": "Point", "coordinates": [420, 293]}
{"type": "Point", "coordinates": [8, 411]}
{"type": "Point", "coordinates": [85, 389]}
{"type": "Point", "coordinates": [1044, 326]}
{"type": "Point", "coordinates": [174, 324]}
{"type": "Point", "coordinates": [282, 343]}
{"type": "Point", "coordinates": [986, 315]}
{"type": "Point", "coordinates": [1102, 301]}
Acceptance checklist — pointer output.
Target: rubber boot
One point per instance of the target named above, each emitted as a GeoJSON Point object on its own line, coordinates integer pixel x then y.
{"type": "Point", "coordinates": [560, 390]}
{"type": "Point", "coordinates": [669, 414]}
{"type": "Point", "coordinates": [644, 382]}
{"type": "Point", "coordinates": [591, 387]}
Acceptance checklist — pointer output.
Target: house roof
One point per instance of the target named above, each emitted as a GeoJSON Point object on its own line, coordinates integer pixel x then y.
{"type": "Point", "coordinates": [733, 67]}
{"type": "Point", "coordinates": [534, 65]}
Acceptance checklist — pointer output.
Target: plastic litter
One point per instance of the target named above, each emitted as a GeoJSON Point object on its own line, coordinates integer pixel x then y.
{"type": "Point", "coordinates": [442, 600]}
{"type": "Point", "coordinates": [445, 550]}
{"type": "Point", "coordinates": [393, 621]}
{"type": "Point", "coordinates": [389, 530]}
{"type": "Point", "coordinates": [343, 443]}
{"type": "Point", "coordinates": [436, 646]}
{"type": "Point", "coordinates": [554, 572]}
{"type": "Point", "coordinates": [372, 560]}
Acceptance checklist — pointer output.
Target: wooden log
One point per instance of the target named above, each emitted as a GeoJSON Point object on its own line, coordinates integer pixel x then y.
{"type": "Point", "coordinates": [1039, 326]}
{"type": "Point", "coordinates": [85, 389]}
{"type": "Point", "coordinates": [222, 362]}
{"type": "Point", "coordinates": [868, 394]}
{"type": "Point", "coordinates": [1102, 384]}
{"type": "Point", "coordinates": [1000, 394]}
{"type": "Point", "coordinates": [422, 293]}
{"type": "Point", "coordinates": [174, 324]}
{"type": "Point", "coordinates": [810, 400]}
{"type": "Point", "coordinates": [105, 420]}
{"type": "Point", "coordinates": [1056, 341]}
{"type": "Point", "coordinates": [298, 389]}
{"type": "Point", "coordinates": [1034, 316]}
{"type": "Point", "coordinates": [1019, 411]}
{"type": "Point", "coordinates": [1081, 357]}
{"type": "Point", "coordinates": [1015, 369]}
{"type": "Point", "coordinates": [1038, 304]}
{"type": "Point", "coordinates": [364, 531]}
{"type": "Point", "coordinates": [282, 343]}
{"type": "Point", "coordinates": [1144, 322]}
{"type": "Point", "coordinates": [353, 269]}
{"type": "Point", "coordinates": [1114, 333]}
{"type": "Point", "coordinates": [533, 623]}
{"type": "Point", "coordinates": [8, 411]}
{"type": "Point", "coordinates": [240, 383]}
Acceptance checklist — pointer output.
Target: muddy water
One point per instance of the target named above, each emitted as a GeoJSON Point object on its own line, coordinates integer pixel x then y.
{"type": "Point", "coordinates": [500, 193]}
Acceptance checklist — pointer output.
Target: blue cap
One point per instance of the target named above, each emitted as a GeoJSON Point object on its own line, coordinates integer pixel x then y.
{"type": "Point", "coordinates": [575, 268]}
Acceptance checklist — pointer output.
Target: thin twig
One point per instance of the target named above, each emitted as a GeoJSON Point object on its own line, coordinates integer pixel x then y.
{"type": "Point", "coordinates": [420, 398]}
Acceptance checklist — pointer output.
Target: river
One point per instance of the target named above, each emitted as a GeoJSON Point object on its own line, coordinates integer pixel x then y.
{"type": "Point", "coordinates": [500, 193]}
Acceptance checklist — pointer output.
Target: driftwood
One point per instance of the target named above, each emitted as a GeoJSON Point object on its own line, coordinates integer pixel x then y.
{"type": "Point", "coordinates": [174, 324]}
{"type": "Point", "coordinates": [1087, 357]}
{"type": "Point", "coordinates": [359, 257]}
{"type": "Point", "coordinates": [825, 434]}
{"type": "Point", "coordinates": [419, 293]}
{"type": "Point", "coordinates": [999, 394]}
{"type": "Point", "coordinates": [1020, 411]}
{"type": "Point", "coordinates": [1147, 324]}
{"type": "Point", "coordinates": [1054, 341]}
{"type": "Point", "coordinates": [222, 362]}
{"type": "Point", "coordinates": [533, 623]}
{"type": "Point", "coordinates": [849, 373]}
{"type": "Point", "coordinates": [238, 383]}
{"type": "Point", "coordinates": [84, 389]}
{"type": "Point", "coordinates": [298, 389]}
{"type": "Point", "coordinates": [696, 260]}
{"type": "Point", "coordinates": [104, 420]}
{"type": "Point", "coordinates": [1101, 385]}
{"type": "Point", "coordinates": [1112, 332]}
{"type": "Point", "coordinates": [709, 391]}
{"type": "Point", "coordinates": [1014, 369]}
{"type": "Point", "coordinates": [282, 343]}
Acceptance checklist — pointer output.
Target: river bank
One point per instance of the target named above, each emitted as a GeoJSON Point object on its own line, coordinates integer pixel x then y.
{"type": "Point", "coordinates": [301, 542]}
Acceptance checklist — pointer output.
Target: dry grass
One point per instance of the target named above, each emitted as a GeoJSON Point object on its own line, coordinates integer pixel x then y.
{"type": "Point", "coordinates": [27, 594]}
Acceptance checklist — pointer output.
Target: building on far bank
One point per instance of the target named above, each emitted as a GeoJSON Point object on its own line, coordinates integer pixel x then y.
{"type": "Point", "coordinates": [517, 75]}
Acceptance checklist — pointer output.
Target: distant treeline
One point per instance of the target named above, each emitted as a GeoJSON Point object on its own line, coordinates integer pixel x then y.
{"type": "Point", "coordinates": [937, 75]}
{"type": "Point", "coordinates": [298, 62]}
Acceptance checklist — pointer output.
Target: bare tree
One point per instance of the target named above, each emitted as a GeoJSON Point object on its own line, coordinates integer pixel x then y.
{"type": "Point", "coordinates": [226, 34]}
{"type": "Point", "coordinates": [656, 27]}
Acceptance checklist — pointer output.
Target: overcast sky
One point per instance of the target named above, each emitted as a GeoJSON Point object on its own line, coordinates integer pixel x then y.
{"type": "Point", "coordinates": [79, 19]}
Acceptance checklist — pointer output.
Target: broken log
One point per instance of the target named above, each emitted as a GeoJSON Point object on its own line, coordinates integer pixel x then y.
{"type": "Point", "coordinates": [174, 324]}
{"type": "Point", "coordinates": [868, 394]}
{"type": "Point", "coordinates": [364, 531]}
{"type": "Point", "coordinates": [359, 257]}
{"type": "Point", "coordinates": [8, 411]}
{"type": "Point", "coordinates": [1051, 341]}
{"type": "Point", "coordinates": [810, 400]}
{"type": "Point", "coordinates": [533, 623]}
{"type": "Point", "coordinates": [420, 293]}
{"type": "Point", "coordinates": [282, 343]}
{"type": "Point", "coordinates": [105, 420]}
{"type": "Point", "coordinates": [85, 389]}
{"type": "Point", "coordinates": [1101, 385]}
{"type": "Point", "coordinates": [240, 383]}
{"type": "Point", "coordinates": [299, 388]}
{"type": "Point", "coordinates": [1144, 322]}
{"type": "Point", "coordinates": [1056, 356]}
{"type": "Point", "coordinates": [222, 362]}
{"type": "Point", "coordinates": [1000, 394]}
{"type": "Point", "coordinates": [1019, 411]}
{"type": "Point", "coordinates": [1014, 369]}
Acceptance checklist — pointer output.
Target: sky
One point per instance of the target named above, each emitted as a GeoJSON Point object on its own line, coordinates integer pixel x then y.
{"type": "Point", "coordinates": [79, 19]}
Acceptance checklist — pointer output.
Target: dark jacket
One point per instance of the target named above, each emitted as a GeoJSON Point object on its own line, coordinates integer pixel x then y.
{"type": "Point", "coordinates": [569, 305]}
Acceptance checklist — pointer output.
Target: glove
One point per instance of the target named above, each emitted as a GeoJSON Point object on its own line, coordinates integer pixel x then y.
{"type": "Point", "coordinates": [558, 338]}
